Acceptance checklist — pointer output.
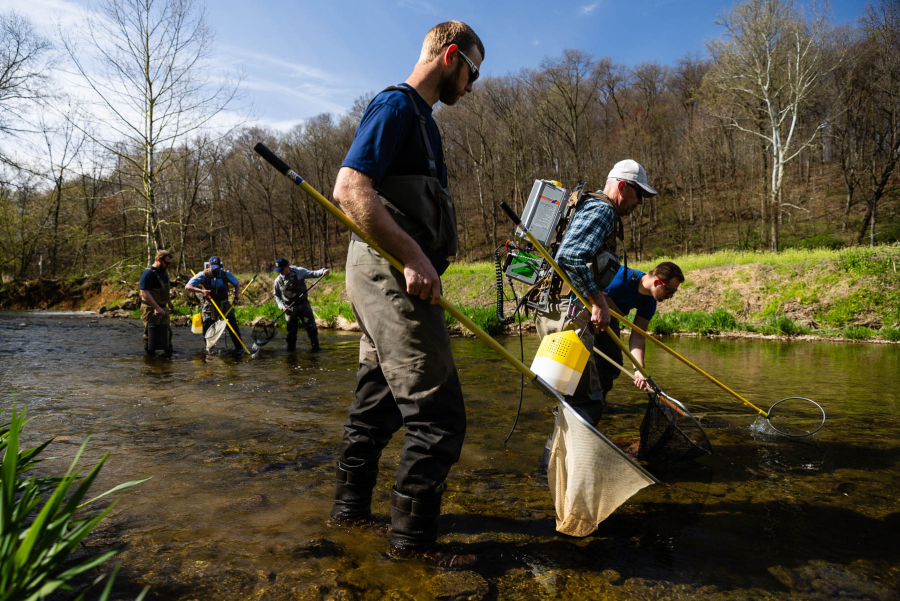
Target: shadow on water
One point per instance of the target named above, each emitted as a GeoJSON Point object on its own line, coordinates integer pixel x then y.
{"type": "Point", "coordinates": [241, 452]}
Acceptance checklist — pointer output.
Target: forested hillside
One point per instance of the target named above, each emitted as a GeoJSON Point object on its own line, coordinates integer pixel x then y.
{"type": "Point", "coordinates": [800, 152]}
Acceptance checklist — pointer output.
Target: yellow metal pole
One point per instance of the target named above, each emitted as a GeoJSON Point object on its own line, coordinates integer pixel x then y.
{"type": "Point", "coordinates": [243, 290]}
{"type": "Point", "coordinates": [660, 344]}
{"type": "Point", "coordinates": [227, 323]}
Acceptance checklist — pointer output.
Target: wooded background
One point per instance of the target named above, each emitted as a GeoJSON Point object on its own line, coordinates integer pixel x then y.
{"type": "Point", "coordinates": [784, 133]}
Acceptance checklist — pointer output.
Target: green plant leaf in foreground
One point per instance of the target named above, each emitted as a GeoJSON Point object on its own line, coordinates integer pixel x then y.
{"type": "Point", "coordinates": [34, 548]}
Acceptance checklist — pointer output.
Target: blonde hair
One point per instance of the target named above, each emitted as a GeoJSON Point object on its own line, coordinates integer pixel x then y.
{"type": "Point", "coordinates": [449, 32]}
{"type": "Point", "coordinates": [162, 254]}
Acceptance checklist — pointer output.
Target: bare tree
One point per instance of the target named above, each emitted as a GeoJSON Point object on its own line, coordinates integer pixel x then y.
{"type": "Point", "coordinates": [775, 60]}
{"type": "Point", "coordinates": [145, 67]}
{"type": "Point", "coordinates": [25, 63]}
{"type": "Point", "coordinates": [881, 26]}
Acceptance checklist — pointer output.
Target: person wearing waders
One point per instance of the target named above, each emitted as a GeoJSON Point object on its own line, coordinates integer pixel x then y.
{"type": "Point", "coordinates": [588, 256]}
{"type": "Point", "coordinates": [155, 298]}
{"type": "Point", "coordinates": [216, 280]}
{"type": "Point", "coordinates": [292, 298]}
{"type": "Point", "coordinates": [393, 185]}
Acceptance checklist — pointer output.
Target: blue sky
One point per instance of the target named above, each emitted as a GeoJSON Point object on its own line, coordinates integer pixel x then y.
{"type": "Point", "coordinates": [302, 58]}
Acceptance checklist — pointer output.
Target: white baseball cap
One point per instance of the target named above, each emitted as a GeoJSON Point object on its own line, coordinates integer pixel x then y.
{"type": "Point", "coordinates": [631, 171]}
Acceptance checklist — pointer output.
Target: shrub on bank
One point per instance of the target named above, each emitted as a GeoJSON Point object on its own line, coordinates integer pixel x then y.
{"type": "Point", "coordinates": [858, 333]}
{"type": "Point", "coordinates": [892, 334]}
{"type": "Point", "coordinates": [782, 325]}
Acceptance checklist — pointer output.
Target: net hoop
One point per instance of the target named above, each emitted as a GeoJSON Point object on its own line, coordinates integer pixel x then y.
{"type": "Point", "coordinates": [215, 332]}
{"type": "Point", "coordinates": [263, 333]}
{"type": "Point", "coordinates": [790, 434]}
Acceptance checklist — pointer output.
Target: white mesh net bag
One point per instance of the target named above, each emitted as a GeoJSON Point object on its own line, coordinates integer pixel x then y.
{"type": "Point", "coordinates": [589, 476]}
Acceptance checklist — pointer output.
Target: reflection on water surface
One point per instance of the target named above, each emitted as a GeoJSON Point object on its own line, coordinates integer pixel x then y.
{"type": "Point", "coordinates": [241, 453]}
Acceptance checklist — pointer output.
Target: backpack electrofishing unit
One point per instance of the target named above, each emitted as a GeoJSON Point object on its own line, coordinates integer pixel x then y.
{"type": "Point", "coordinates": [547, 215]}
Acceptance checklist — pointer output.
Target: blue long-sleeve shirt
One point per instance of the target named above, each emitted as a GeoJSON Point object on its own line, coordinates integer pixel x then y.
{"type": "Point", "coordinates": [592, 224]}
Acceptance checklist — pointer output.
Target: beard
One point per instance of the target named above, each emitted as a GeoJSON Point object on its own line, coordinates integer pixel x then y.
{"type": "Point", "coordinates": [449, 88]}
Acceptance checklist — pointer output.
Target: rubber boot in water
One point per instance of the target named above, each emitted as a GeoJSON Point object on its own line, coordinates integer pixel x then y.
{"type": "Point", "coordinates": [414, 533]}
{"type": "Point", "coordinates": [353, 491]}
{"type": "Point", "coordinates": [414, 521]}
{"type": "Point", "coordinates": [315, 345]}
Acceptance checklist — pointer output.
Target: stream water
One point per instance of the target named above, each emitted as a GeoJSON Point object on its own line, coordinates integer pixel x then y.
{"type": "Point", "coordinates": [241, 454]}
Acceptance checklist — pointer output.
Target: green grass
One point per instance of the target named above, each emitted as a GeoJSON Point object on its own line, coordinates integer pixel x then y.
{"type": "Point", "coordinates": [330, 312]}
{"type": "Point", "coordinates": [484, 317]}
{"type": "Point", "coordinates": [892, 334]}
{"type": "Point", "coordinates": [782, 325]}
{"type": "Point", "coordinates": [42, 522]}
{"type": "Point", "coordinates": [698, 322]}
{"type": "Point", "coordinates": [857, 257]}
{"type": "Point", "coordinates": [858, 333]}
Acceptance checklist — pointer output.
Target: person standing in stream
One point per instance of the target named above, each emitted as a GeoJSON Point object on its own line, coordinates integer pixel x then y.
{"type": "Point", "coordinates": [292, 298]}
{"type": "Point", "coordinates": [155, 297]}
{"type": "Point", "coordinates": [216, 280]}
{"type": "Point", "coordinates": [393, 185]}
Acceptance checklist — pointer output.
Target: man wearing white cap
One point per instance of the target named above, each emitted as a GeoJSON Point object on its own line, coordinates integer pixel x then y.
{"type": "Point", "coordinates": [588, 255]}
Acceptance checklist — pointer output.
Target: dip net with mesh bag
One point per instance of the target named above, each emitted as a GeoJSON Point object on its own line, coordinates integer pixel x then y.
{"type": "Point", "coordinates": [589, 476]}
{"type": "Point", "coordinates": [669, 433]}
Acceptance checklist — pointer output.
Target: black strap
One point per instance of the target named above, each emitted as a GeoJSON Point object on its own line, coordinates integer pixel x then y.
{"type": "Point", "coordinates": [432, 165]}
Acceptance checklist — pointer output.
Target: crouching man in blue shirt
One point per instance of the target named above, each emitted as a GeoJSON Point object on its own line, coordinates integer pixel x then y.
{"type": "Point", "coordinates": [632, 289]}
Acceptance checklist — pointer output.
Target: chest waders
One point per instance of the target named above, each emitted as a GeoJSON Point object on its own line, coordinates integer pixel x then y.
{"type": "Point", "coordinates": [294, 293]}
{"type": "Point", "coordinates": [157, 333]}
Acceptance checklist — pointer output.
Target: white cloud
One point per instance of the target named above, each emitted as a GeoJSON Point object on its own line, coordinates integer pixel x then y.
{"type": "Point", "coordinates": [589, 9]}
{"type": "Point", "coordinates": [535, 42]}
{"type": "Point", "coordinates": [287, 68]}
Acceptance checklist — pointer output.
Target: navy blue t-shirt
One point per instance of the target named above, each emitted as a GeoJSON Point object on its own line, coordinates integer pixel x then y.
{"type": "Point", "coordinates": [150, 278]}
{"type": "Point", "coordinates": [624, 292]}
{"type": "Point", "coordinates": [389, 142]}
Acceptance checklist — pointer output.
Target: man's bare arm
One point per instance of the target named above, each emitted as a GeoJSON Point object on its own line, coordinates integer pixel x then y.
{"type": "Point", "coordinates": [356, 196]}
{"type": "Point", "coordinates": [637, 345]}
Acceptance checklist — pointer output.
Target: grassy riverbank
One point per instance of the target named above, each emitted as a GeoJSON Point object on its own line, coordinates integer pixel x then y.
{"type": "Point", "coordinates": [852, 293]}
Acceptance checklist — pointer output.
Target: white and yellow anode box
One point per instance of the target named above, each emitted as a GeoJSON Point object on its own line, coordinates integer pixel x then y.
{"type": "Point", "coordinates": [560, 360]}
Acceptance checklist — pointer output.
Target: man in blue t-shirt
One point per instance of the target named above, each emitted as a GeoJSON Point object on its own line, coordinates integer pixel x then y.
{"type": "Point", "coordinates": [632, 289]}
{"type": "Point", "coordinates": [393, 185]}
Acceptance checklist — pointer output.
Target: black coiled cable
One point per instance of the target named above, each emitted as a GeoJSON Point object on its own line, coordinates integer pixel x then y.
{"type": "Point", "coordinates": [498, 270]}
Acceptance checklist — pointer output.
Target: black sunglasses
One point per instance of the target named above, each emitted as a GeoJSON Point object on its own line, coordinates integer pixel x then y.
{"type": "Point", "coordinates": [637, 189]}
{"type": "Point", "coordinates": [473, 70]}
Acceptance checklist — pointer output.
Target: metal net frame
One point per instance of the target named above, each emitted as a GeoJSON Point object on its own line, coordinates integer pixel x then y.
{"type": "Point", "coordinates": [669, 433]}
{"type": "Point", "coordinates": [263, 332]}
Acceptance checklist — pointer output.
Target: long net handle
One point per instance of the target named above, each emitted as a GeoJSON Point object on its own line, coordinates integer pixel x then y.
{"type": "Point", "coordinates": [223, 318]}
{"type": "Point", "coordinates": [243, 290]}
